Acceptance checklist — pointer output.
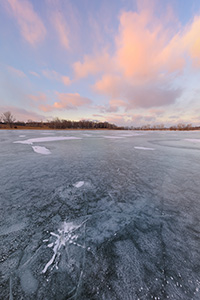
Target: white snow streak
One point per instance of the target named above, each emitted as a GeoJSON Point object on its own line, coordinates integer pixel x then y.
{"type": "Point", "coordinates": [193, 140]}
{"type": "Point", "coordinates": [144, 148]}
{"type": "Point", "coordinates": [78, 184]}
{"type": "Point", "coordinates": [47, 139]}
{"type": "Point", "coordinates": [41, 150]}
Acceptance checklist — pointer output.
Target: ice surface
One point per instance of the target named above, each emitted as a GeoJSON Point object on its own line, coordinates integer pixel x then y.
{"type": "Point", "coordinates": [28, 282]}
{"type": "Point", "coordinates": [144, 148]}
{"type": "Point", "coordinates": [12, 228]}
{"type": "Point", "coordinates": [41, 150]}
{"type": "Point", "coordinates": [99, 220]}
{"type": "Point", "coordinates": [47, 139]}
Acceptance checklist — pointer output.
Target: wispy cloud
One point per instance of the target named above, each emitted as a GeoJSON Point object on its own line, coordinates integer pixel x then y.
{"type": "Point", "coordinates": [34, 73]}
{"type": "Point", "coordinates": [62, 29]}
{"type": "Point", "coordinates": [41, 98]}
{"type": "Point", "coordinates": [66, 101]}
{"type": "Point", "coordinates": [31, 26]}
{"type": "Point", "coordinates": [16, 72]}
{"type": "Point", "coordinates": [53, 75]}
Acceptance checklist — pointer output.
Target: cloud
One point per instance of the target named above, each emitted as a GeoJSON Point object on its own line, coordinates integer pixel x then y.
{"type": "Point", "coordinates": [65, 20]}
{"type": "Point", "coordinates": [66, 101]}
{"type": "Point", "coordinates": [110, 85]}
{"type": "Point", "coordinates": [132, 96]}
{"type": "Point", "coordinates": [53, 75]}
{"type": "Point", "coordinates": [66, 80]}
{"type": "Point", "coordinates": [16, 72]}
{"type": "Point", "coordinates": [151, 51]}
{"type": "Point", "coordinates": [92, 65]}
{"type": "Point", "coordinates": [61, 28]}
{"type": "Point", "coordinates": [113, 106]}
{"type": "Point", "coordinates": [191, 41]}
{"type": "Point", "coordinates": [31, 26]}
{"type": "Point", "coordinates": [41, 98]}
{"type": "Point", "coordinates": [149, 55]}
{"type": "Point", "coordinates": [151, 96]}
{"type": "Point", "coordinates": [34, 73]}
{"type": "Point", "coordinates": [156, 111]}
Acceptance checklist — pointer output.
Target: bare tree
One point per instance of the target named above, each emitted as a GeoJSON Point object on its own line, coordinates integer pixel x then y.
{"type": "Point", "coordinates": [8, 118]}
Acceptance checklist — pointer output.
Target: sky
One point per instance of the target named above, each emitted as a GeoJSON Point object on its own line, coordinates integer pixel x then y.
{"type": "Point", "coordinates": [128, 62]}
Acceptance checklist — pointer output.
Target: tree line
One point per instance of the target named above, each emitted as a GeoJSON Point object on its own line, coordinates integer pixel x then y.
{"type": "Point", "coordinates": [9, 121]}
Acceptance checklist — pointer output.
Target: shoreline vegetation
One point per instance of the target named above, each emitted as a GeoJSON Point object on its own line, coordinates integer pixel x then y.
{"type": "Point", "coordinates": [8, 121]}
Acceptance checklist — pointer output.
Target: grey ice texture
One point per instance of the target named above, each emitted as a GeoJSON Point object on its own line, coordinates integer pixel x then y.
{"type": "Point", "coordinates": [109, 215]}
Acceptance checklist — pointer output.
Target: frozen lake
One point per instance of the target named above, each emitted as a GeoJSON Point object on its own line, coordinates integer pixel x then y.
{"type": "Point", "coordinates": [99, 215]}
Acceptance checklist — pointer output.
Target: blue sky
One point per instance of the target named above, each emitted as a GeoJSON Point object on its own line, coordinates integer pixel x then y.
{"type": "Point", "coordinates": [126, 62]}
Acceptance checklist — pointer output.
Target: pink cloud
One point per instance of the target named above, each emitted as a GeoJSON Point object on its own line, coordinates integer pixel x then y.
{"type": "Point", "coordinates": [191, 41]}
{"type": "Point", "coordinates": [53, 75]}
{"type": "Point", "coordinates": [61, 28]}
{"type": "Point", "coordinates": [156, 111]}
{"type": "Point", "coordinates": [132, 96]}
{"type": "Point", "coordinates": [41, 97]}
{"type": "Point", "coordinates": [34, 73]}
{"type": "Point", "coordinates": [16, 72]}
{"type": "Point", "coordinates": [110, 85]}
{"type": "Point", "coordinates": [66, 101]}
{"type": "Point", "coordinates": [66, 80]}
{"type": "Point", "coordinates": [144, 53]}
{"type": "Point", "coordinates": [149, 55]}
{"type": "Point", "coordinates": [92, 65]}
{"type": "Point", "coordinates": [31, 26]}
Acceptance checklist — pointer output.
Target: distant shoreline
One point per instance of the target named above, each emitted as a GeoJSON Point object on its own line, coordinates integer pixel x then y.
{"type": "Point", "coordinates": [57, 129]}
{"type": "Point", "coordinates": [92, 129]}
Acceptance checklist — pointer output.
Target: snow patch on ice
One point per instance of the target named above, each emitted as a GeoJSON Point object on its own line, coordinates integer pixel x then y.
{"type": "Point", "coordinates": [144, 148]}
{"type": "Point", "coordinates": [78, 184]}
{"type": "Point", "coordinates": [131, 134]}
{"type": "Point", "coordinates": [193, 140]}
{"type": "Point", "coordinates": [112, 137]}
{"type": "Point", "coordinates": [41, 150]}
{"type": "Point", "coordinates": [48, 133]}
{"type": "Point", "coordinates": [22, 135]}
{"type": "Point", "coordinates": [47, 139]}
{"type": "Point", "coordinates": [86, 134]}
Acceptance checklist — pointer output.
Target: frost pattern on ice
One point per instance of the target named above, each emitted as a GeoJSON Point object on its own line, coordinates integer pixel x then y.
{"type": "Point", "coordinates": [65, 237]}
{"type": "Point", "coordinates": [41, 150]}
{"type": "Point", "coordinates": [144, 148]}
{"type": "Point", "coordinates": [78, 184]}
{"type": "Point", "coordinates": [47, 139]}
